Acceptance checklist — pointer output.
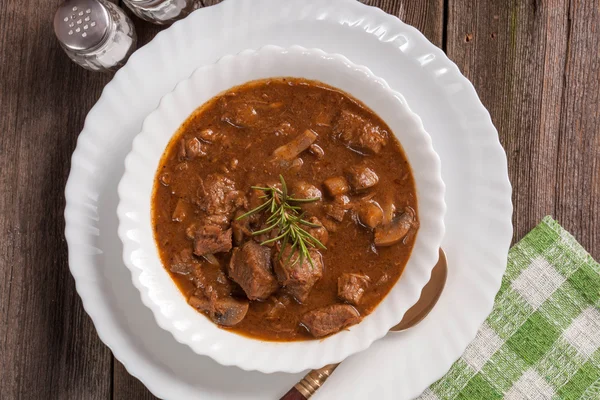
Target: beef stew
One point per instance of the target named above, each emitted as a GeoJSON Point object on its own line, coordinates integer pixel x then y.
{"type": "Point", "coordinates": [284, 209]}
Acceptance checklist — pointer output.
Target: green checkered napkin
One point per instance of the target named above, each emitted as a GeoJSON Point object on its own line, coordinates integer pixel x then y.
{"type": "Point", "coordinates": [542, 339]}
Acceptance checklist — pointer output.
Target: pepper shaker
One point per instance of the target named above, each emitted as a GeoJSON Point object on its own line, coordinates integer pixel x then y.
{"type": "Point", "coordinates": [162, 11]}
{"type": "Point", "coordinates": [96, 34]}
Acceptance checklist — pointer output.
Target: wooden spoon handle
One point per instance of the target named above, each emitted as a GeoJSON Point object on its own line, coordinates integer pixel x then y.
{"type": "Point", "coordinates": [304, 389]}
{"type": "Point", "coordinates": [293, 394]}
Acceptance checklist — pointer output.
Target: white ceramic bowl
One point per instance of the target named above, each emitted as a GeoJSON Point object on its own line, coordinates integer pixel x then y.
{"type": "Point", "coordinates": [140, 254]}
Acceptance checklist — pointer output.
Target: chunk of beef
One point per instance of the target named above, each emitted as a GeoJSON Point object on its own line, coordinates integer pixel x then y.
{"type": "Point", "coordinates": [351, 287]}
{"type": "Point", "coordinates": [225, 311]}
{"type": "Point", "coordinates": [211, 282]}
{"type": "Point", "coordinates": [291, 150]}
{"type": "Point", "coordinates": [241, 228]}
{"type": "Point", "coordinates": [208, 135]}
{"type": "Point", "coordinates": [263, 237]}
{"type": "Point", "coordinates": [359, 134]}
{"type": "Point", "coordinates": [298, 276]}
{"type": "Point", "coordinates": [336, 185]}
{"type": "Point", "coordinates": [319, 233]}
{"type": "Point", "coordinates": [362, 177]}
{"type": "Point", "coordinates": [191, 148]}
{"type": "Point", "coordinates": [337, 209]}
{"type": "Point", "coordinates": [370, 214]}
{"type": "Point", "coordinates": [395, 231]}
{"type": "Point", "coordinates": [183, 263]}
{"type": "Point", "coordinates": [239, 114]}
{"type": "Point", "coordinates": [210, 239]}
{"type": "Point", "coordinates": [304, 190]}
{"type": "Point", "coordinates": [330, 319]}
{"type": "Point", "coordinates": [220, 196]}
{"type": "Point", "coordinates": [250, 267]}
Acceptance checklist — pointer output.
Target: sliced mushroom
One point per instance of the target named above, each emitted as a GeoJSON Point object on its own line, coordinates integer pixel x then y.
{"type": "Point", "coordinates": [370, 214]}
{"type": "Point", "coordinates": [225, 311]}
{"type": "Point", "coordinates": [395, 231]}
{"type": "Point", "coordinates": [229, 311]}
{"type": "Point", "coordinates": [336, 185]}
{"type": "Point", "coordinates": [291, 150]}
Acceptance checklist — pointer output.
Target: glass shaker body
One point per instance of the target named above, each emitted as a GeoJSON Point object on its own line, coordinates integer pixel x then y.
{"type": "Point", "coordinates": [111, 50]}
{"type": "Point", "coordinates": [162, 11]}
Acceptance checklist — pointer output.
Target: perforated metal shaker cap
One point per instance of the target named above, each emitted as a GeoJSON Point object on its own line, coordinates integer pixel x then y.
{"type": "Point", "coordinates": [81, 25]}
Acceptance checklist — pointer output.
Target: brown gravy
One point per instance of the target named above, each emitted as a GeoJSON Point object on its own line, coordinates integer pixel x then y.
{"type": "Point", "coordinates": [227, 146]}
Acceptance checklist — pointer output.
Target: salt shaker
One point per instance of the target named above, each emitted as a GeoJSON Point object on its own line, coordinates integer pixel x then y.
{"type": "Point", "coordinates": [162, 11]}
{"type": "Point", "coordinates": [96, 34]}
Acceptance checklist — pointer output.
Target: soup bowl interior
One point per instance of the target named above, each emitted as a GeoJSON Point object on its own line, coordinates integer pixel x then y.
{"type": "Point", "coordinates": [159, 292]}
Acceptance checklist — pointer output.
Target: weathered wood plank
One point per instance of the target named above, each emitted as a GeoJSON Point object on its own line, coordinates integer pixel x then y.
{"type": "Point", "coordinates": [49, 349]}
{"type": "Point", "coordinates": [515, 54]}
{"type": "Point", "coordinates": [126, 387]}
{"type": "Point", "coordinates": [577, 197]}
{"type": "Point", "coordinates": [208, 3]}
{"type": "Point", "coordinates": [534, 64]}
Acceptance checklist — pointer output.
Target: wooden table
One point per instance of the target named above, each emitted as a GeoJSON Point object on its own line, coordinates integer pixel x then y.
{"type": "Point", "coordinates": [535, 65]}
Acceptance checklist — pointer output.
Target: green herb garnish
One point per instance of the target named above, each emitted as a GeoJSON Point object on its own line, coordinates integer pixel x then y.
{"type": "Point", "coordinates": [285, 215]}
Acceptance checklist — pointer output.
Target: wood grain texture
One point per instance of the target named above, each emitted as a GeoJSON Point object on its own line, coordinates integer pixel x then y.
{"type": "Point", "coordinates": [208, 3]}
{"type": "Point", "coordinates": [126, 387]}
{"type": "Point", "coordinates": [535, 68]}
{"type": "Point", "coordinates": [577, 197]}
{"type": "Point", "coordinates": [49, 349]}
{"type": "Point", "coordinates": [535, 65]}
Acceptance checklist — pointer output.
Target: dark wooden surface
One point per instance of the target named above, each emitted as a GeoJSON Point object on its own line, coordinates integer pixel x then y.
{"type": "Point", "coordinates": [534, 63]}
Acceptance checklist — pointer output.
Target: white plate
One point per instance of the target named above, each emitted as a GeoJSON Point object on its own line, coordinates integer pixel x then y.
{"type": "Point", "coordinates": [156, 286]}
{"type": "Point", "coordinates": [478, 219]}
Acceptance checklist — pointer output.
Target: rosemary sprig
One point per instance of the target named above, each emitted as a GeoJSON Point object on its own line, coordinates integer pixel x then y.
{"type": "Point", "coordinates": [284, 214]}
